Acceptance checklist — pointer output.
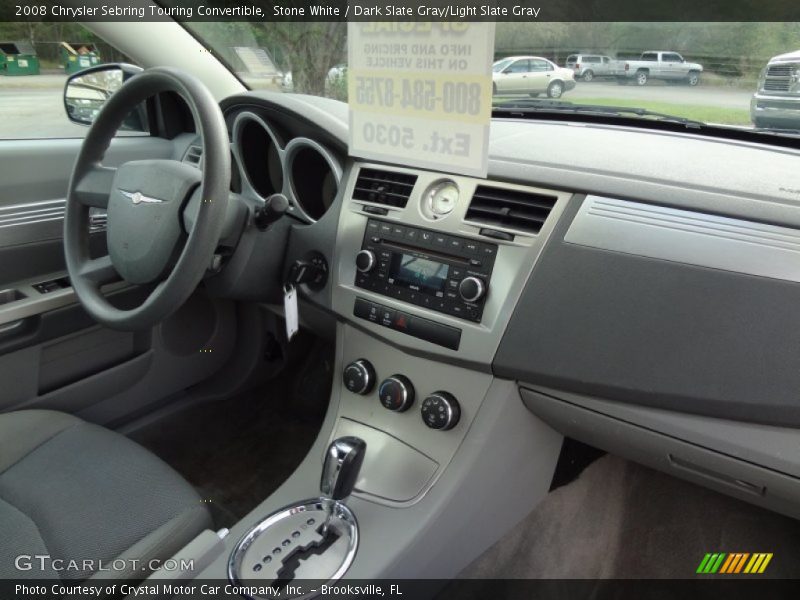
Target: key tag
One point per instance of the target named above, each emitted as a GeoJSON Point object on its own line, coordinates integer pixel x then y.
{"type": "Point", "coordinates": [290, 310]}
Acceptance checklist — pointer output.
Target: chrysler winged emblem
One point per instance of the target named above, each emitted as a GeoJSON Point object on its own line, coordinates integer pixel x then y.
{"type": "Point", "coordinates": [139, 197]}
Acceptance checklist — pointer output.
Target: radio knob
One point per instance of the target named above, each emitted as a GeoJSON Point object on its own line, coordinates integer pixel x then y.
{"type": "Point", "coordinates": [365, 261]}
{"type": "Point", "coordinates": [359, 377]}
{"type": "Point", "coordinates": [441, 411]}
{"type": "Point", "coordinates": [396, 393]}
{"type": "Point", "coordinates": [471, 289]}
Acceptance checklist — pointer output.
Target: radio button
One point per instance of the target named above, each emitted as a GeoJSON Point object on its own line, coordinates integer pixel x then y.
{"type": "Point", "coordinates": [472, 289]}
{"type": "Point", "coordinates": [365, 261]}
{"type": "Point", "coordinates": [398, 231]}
{"type": "Point", "coordinates": [412, 234]}
{"type": "Point", "coordinates": [488, 250]}
{"type": "Point", "coordinates": [385, 229]}
{"type": "Point", "coordinates": [455, 244]}
{"type": "Point", "coordinates": [472, 247]}
{"type": "Point", "coordinates": [426, 236]}
{"type": "Point", "coordinates": [457, 273]}
{"type": "Point", "coordinates": [439, 240]}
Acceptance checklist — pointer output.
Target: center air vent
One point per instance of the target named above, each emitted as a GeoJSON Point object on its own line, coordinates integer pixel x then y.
{"type": "Point", "coordinates": [193, 155]}
{"type": "Point", "coordinates": [384, 187]}
{"type": "Point", "coordinates": [509, 209]}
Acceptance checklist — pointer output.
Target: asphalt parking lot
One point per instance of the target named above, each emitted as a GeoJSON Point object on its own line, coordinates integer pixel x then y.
{"type": "Point", "coordinates": [32, 107]}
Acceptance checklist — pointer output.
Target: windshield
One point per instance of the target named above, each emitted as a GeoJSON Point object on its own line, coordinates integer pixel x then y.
{"type": "Point", "coordinates": [742, 75]}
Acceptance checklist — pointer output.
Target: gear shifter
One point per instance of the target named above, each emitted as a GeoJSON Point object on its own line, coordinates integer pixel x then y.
{"type": "Point", "coordinates": [340, 470]}
{"type": "Point", "coordinates": [315, 538]}
{"type": "Point", "coordinates": [342, 464]}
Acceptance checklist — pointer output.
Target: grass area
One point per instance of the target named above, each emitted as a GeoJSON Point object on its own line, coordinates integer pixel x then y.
{"type": "Point", "coordinates": [706, 114]}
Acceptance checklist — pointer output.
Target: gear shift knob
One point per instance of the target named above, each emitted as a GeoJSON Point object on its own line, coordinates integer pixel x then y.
{"type": "Point", "coordinates": [342, 464]}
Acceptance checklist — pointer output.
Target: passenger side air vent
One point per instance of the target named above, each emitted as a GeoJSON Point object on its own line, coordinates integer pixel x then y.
{"type": "Point", "coordinates": [509, 209]}
{"type": "Point", "coordinates": [384, 187]}
{"type": "Point", "coordinates": [193, 155]}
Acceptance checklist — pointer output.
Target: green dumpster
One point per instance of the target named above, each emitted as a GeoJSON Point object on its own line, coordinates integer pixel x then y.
{"type": "Point", "coordinates": [78, 56]}
{"type": "Point", "coordinates": [18, 58]}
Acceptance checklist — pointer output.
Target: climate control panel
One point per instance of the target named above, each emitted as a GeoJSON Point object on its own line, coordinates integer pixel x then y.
{"type": "Point", "coordinates": [359, 377]}
{"type": "Point", "coordinates": [439, 410]}
{"type": "Point", "coordinates": [396, 393]}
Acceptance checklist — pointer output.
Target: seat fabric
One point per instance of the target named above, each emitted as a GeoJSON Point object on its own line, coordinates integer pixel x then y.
{"type": "Point", "coordinates": [79, 492]}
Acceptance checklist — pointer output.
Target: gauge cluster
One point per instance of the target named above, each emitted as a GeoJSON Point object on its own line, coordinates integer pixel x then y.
{"type": "Point", "coordinates": [272, 162]}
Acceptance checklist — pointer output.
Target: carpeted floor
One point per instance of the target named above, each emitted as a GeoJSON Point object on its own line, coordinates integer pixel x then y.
{"type": "Point", "coordinates": [236, 452]}
{"type": "Point", "coordinates": [622, 520]}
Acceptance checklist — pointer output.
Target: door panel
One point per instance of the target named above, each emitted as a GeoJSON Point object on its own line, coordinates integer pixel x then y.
{"type": "Point", "coordinates": [517, 77]}
{"type": "Point", "coordinates": [52, 355]}
{"type": "Point", "coordinates": [539, 76]}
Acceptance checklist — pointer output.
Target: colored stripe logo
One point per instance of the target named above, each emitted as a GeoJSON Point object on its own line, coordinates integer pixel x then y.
{"type": "Point", "coordinates": [734, 563]}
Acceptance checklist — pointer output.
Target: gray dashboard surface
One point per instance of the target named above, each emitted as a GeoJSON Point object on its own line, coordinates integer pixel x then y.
{"type": "Point", "coordinates": [626, 327]}
{"type": "Point", "coordinates": [657, 333]}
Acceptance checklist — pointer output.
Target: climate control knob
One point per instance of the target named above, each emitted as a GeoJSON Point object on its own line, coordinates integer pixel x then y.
{"type": "Point", "coordinates": [441, 411]}
{"type": "Point", "coordinates": [471, 289]}
{"type": "Point", "coordinates": [396, 393]}
{"type": "Point", "coordinates": [359, 377]}
{"type": "Point", "coordinates": [365, 261]}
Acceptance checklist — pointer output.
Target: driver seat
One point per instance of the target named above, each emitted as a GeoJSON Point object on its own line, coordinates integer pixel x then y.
{"type": "Point", "coordinates": [79, 492]}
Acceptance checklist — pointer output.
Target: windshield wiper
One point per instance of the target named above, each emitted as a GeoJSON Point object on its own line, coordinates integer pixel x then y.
{"type": "Point", "coordinates": [532, 106]}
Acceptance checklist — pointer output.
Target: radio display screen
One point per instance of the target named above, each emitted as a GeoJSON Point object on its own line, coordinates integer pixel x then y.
{"type": "Point", "coordinates": [418, 273]}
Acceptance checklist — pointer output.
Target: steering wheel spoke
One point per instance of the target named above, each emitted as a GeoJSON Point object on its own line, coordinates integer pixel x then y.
{"type": "Point", "coordinates": [99, 270]}
{"type": "Point", "coordinates": [94, 188]}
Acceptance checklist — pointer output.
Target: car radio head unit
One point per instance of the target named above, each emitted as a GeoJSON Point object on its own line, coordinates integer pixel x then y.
{"type": "Point", "coordinates": [446, 273]}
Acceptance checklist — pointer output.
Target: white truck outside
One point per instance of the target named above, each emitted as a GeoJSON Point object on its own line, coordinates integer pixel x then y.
{"type": "Point", "coordinates": [657, 64]}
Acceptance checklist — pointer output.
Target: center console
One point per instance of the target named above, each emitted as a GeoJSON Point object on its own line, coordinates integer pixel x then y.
{"type": "Point", "coordinates": [426, 272]}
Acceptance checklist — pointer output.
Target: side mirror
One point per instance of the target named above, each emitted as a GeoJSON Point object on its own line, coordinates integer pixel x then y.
{"type": "Point", "coordinates": [507, 70]}
{"type": "Point", "coordinates": [87, 91]}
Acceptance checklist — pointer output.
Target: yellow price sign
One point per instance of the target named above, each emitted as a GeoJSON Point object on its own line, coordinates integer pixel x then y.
{"type": "Point", "coordinates": [420, 95]}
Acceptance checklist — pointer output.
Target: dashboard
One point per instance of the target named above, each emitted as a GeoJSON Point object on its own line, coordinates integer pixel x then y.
{"type": "Point", "coordinates": [624, 279]}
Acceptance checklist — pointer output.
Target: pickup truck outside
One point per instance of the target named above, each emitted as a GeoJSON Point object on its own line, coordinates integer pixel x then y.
{"type": "Point", "coordinates": [668, 66]}
{"type": "Point", "coordinates": [776, 102]}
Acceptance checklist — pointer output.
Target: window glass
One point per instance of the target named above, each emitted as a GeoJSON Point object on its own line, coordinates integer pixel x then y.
{"type": "Point", "coordinates": [725, 68]}
{"type": "Point", "coordinates": [540, 65]}
{"type": "Point", "coordinates": [520, 66]}
{"type": "Point", "coordinates": [35, 61]}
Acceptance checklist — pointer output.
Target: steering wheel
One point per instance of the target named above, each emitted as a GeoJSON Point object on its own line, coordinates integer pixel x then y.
{"type": "Point", "coordinates": [165, 217]}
